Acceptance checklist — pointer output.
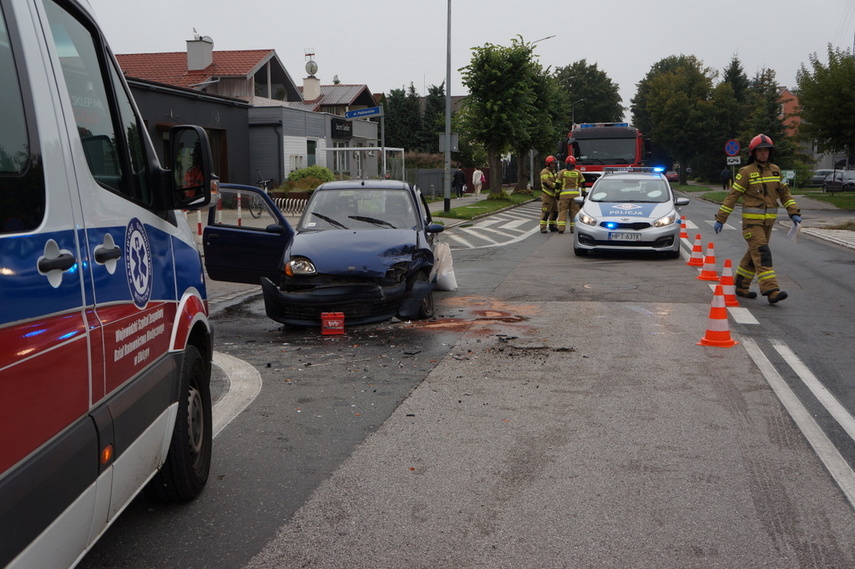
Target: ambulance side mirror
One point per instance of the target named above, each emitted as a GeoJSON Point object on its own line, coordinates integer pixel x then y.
{"type": "Point", "coordinates": [193, 180]}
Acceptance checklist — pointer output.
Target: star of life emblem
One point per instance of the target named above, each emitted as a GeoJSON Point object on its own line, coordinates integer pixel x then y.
{"type": "Point", "coordinates": [138, 262]}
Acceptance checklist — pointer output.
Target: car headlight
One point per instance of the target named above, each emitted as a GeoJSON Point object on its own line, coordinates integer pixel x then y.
{"type": "Point", "coordinates": [665, 221]}
{"type": "Point", "coordinates": [300, 266]}
{"type": "Point", "coordinates": [587, 219]}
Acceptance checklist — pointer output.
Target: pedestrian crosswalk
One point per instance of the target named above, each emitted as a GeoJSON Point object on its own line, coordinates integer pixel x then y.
{"type": "Point", "coordinates": [497, 230]}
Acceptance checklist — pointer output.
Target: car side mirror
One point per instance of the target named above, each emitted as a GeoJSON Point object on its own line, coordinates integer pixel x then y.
{"type": "Point", "coordinates": [275, 228]}
{"type": "Point", "coordinates": [435, 228]}
{"type": "Point", "coordinates": [681, 201]}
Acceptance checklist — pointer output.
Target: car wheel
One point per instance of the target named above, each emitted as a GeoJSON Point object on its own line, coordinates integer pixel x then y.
{"type": "Point", "coordinates": [580, 252]}
{"type": "Point", "coordinates": [426, 309]}
{"type": "Point", "coordinates": [188, 462]}
{"type": "Point", "coordinates": [672, 254]}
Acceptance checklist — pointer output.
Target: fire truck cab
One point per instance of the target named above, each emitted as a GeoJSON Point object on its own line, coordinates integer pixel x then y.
{"type": "Point", "coordinates": [106, 348]}
{"type": "Point", "coordinates": [604, 145]}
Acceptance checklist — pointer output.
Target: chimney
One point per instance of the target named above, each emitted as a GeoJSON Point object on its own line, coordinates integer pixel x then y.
{"type": "Point", "coordinates": [311, 88]}
{"type": "Point", "coordinates": [200, 53]}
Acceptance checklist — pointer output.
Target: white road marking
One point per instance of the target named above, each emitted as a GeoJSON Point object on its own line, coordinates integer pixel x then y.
{"type": "Point", "coordinates": [244, 387]}
{"type": "Point", "coordinates": [825, 450]}
{"type": "Point", "coordinates": [828, 400]}
{"type": "Point", "coordinates": [515, 223]}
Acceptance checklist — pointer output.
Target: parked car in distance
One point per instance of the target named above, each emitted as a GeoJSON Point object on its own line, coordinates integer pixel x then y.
{"type": "Point", "coordinates": [839, 181]}
{"type": "Point", "coordinates": [818, 177]}
{"type": "Point", "coordinates": [632, 210]}
{"type": "Point", "coordinates": [672, 176]}
{"type": "Point", "coordinates": [363, 248]}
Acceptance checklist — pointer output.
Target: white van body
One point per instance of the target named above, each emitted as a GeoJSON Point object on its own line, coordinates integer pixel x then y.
{"type": "Point", "coordinates": [105, 345]}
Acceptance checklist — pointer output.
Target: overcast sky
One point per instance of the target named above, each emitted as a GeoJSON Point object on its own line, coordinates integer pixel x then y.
{"type": "Point", "coordinates": [389, 44]}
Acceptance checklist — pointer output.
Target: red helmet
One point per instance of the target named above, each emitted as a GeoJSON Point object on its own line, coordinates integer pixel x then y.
{"type": "Point", "coordinates": [550, 160]}
{"type": "Point", "coordinates": [760, 141]}
{"type": "Point", "coordinates": [570, 160]}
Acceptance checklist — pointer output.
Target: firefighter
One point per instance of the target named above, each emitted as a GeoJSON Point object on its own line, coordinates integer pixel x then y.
{"type": "Point", "coordinates": [571, 181]}
{"type": "Point", "coordinates": [759, 185]}
{"type": "Point", "coordinates": [550, 187]}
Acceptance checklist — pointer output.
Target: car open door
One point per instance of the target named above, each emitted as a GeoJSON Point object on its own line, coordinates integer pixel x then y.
{"type": "Point", "coordinates": [245, 237]}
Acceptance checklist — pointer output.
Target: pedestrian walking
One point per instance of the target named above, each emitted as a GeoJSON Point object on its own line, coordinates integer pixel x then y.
{"type": "Point", "coordinates": [759, 186]}
{"type": "Point", "coordinates": [549, 201]}
{"type": "Point", "coordinates": [726, 177]}
{"type": "Point", "coordinates": [459, 182]}
{"type": "Point", "coordinates": [571, 181]}
{"type": "Point", "coordinates": [478, 179]}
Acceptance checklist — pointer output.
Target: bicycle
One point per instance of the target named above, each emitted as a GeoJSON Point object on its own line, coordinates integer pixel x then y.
{"type": "Point", "coordinates": [256, 204]}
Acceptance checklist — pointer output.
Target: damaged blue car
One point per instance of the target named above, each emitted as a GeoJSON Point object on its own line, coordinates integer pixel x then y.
{"type": "Point", "coordinates": [363, 248]}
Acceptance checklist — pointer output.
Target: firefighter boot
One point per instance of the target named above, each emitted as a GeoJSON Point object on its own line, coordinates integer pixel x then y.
{"type": "Point", "coordinates": [776, 296]}
{"type": "Point", "coordinates": [742, 287]}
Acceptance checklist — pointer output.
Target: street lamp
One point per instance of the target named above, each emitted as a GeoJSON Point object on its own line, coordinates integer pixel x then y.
{"type": "Point", "coordinates": [573, 111]}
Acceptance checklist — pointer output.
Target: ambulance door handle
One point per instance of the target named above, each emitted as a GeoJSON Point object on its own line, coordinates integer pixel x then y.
{"type": "Point", "coordinates": [61, 263]}
{"type": "Point", "coordinates": [103, 254]}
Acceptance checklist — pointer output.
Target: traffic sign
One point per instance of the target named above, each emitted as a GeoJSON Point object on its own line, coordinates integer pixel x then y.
{"type": "Point", "coordinates": [731, 147]}
{"type": "Point", "coordinates": [369, 112]}
{"type": "Point", "coordinates": [734, 160]}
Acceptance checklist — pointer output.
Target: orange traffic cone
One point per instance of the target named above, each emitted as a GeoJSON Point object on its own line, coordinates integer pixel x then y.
{"type": "Point", "coordinates": [683, 233]}
{"type": "Point", "coordinates": [718, 333]}
{"type": "Point", "coordinates": [728, 285]}
{"type": "Point", "coordinates": [708, 273]}
{"type": "Point", "coordinates": [697, 258]}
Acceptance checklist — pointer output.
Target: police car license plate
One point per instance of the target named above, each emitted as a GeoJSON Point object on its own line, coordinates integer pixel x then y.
{"type": "Point", "coordinates": [623, 236]}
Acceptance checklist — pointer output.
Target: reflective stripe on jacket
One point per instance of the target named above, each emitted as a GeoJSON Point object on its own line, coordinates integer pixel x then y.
{"type": "Point", "coordinates": [760, 188]}
{"type": "Point", "coordinates": [570, 182]}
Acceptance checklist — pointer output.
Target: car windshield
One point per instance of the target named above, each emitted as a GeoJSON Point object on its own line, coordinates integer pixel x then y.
{"type": "Point", "coordinates": [358, 208]}
{"type": "Point", "coordinates": [636, 190]}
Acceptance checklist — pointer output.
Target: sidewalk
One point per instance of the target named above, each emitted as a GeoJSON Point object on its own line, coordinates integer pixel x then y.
{"type": "Point", "coordinates": [817, 215]}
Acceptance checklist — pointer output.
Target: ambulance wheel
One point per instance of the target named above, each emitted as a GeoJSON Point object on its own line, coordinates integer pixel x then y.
{"type": "Point", "coordinates": [185, 472]}
{"type": "Point", "coordinates": [426, 310]}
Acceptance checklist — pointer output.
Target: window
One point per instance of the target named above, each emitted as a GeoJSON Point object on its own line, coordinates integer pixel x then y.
{"type": "Point", "coordinates": [116, 160]}
{"type": "Point", "coordinates": [311, 152]}
{"type": "Point", "coordinates": [22, 188]}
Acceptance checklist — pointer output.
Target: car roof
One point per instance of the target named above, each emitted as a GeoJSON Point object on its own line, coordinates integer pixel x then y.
{"type": "Point", "coordinates": [632, 176]}
{"type": "Point", "coordinates": [365, 185]}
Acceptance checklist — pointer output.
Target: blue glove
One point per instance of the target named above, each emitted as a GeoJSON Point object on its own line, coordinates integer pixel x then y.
{"type": "Point", "coordinates": [796, 218]}
{"type": "Point", "coordinates": [718, 226]}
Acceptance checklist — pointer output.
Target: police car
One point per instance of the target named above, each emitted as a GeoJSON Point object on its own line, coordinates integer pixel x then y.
{"type": "Point", "coordinates": [106, 346]}
{"type": "Point", "coordinates": [630, 209]}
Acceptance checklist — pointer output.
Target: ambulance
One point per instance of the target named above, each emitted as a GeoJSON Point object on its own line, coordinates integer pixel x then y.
{"type": "Point", "coordinates": [105, 343]}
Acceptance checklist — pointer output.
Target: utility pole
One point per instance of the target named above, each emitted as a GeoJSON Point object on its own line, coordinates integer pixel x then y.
{"type": "Point", "coordinates": [447, 173]}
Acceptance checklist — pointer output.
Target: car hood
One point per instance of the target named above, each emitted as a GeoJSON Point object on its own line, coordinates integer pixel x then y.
{"type": "Point", "coordinates": [366, 253]}
{"type": "Point", "coordinates": [628, 210]}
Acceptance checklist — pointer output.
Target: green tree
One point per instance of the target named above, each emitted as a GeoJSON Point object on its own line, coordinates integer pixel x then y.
{"type": "Point", "coordinates": [501, 83]}
{"type": "Point", "coordinates": [767, 117]}
{"type": "Point", "coordinates": [735, 76]}
{"type": "Point", "coordinates": [403, 118]}
{"type": "Point", "coordinates": [433, 119]}
{"type": "Point", "coordinates": [596, 96]}
{"type": "Point", "coordinates": [827, 101]}
{"type": "Point", "coordinates": [547, 121]}
{"type": "Point", "coordinates": [677, 106]}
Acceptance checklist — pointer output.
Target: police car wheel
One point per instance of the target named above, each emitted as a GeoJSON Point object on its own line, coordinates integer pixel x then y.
{"type": "Point", "coordinates": [580, 252]}
{"type": "Point", "coordinates": [185, 472]}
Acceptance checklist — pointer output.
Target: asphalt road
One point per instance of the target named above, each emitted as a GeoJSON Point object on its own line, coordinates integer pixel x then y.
{"type": "Point", "coordinates": [557, 413]}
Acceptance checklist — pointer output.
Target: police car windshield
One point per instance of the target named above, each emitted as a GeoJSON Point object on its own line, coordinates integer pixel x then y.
{"type": "Point", "coordinates": [616, 190]}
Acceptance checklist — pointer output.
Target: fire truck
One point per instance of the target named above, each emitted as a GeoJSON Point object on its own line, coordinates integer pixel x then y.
{"type": "Point", "coordinates": [604, 145]}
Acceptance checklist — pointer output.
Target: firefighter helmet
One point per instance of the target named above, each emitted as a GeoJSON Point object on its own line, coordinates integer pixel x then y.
{"type": "Point", "coordinates": [550, 160]}
{"type": "Point", "coordinates": [760, 141]}
{"type": "Point", "coordinates": [570, 160]}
